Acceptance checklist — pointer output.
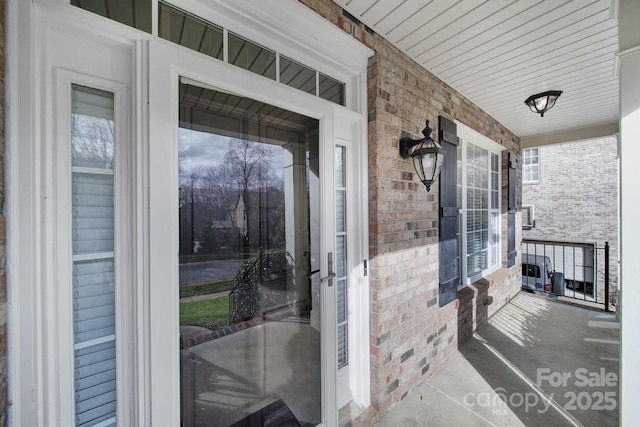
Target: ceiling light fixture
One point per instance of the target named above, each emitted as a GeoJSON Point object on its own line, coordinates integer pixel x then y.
{"type": "Point", "coordinates": [542, 102]}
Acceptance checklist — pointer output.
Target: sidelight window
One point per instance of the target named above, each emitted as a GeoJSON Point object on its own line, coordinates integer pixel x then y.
{"type": "Point", "coordinates": [92, 153]}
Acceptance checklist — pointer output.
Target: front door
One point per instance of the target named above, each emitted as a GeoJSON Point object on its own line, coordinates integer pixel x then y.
{"type": "Point", "coordinates": [192, 233]}
{"type": "Point", "coordinates": [249, 261]}
{"type": "Point", "coordinates": [242, 238]}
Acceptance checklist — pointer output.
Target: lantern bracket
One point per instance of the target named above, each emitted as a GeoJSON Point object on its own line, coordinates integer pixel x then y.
{"type": "Point", "coordinates": [406, 144]}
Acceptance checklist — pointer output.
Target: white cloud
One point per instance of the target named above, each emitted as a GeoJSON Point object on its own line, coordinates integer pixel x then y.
{"type": "Point", "coordinates": [204, 150]}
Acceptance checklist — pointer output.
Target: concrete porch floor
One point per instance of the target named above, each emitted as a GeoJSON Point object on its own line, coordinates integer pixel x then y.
{"type": "Point", "coordinates": [553, 364]}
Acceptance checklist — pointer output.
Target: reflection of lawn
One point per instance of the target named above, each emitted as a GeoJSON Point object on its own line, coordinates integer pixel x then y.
{"type": "Point", "coordinates": [206, 288]}
{"type": "Point", "coordinates": [209, 313]}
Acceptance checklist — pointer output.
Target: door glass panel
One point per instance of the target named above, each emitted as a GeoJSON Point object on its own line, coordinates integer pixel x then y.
{"type": "Point", "coordinates": [331, 89]}
{"type": "Point", "coordinates": [249, 261]}
{"type": "Point", "coordinates": [134, 13]}
{"type": "Point", "coordinates": [297, 75]}
{"type": "Point", "coordinates": [92, 151]}
{"type": "Point", "coordinates": [197, 34]}
{"type": "Point", "coordinates": [251, 56]}
{"type": "Point", "coordinates": [189, 31]}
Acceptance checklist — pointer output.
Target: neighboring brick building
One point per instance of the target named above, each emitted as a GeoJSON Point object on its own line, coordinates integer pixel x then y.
{"type": "Point", "coordinates": [575, 198]}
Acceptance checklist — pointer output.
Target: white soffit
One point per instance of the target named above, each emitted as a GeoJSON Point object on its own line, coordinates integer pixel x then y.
{"type": "Point", "coordinates": [499, 52]}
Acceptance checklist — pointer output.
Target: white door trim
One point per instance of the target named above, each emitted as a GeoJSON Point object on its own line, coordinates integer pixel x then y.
{"type": "Point", "coordinates": [307, 38]}
{"type": "Point", "coordinates": [40, 352]}
{"type": "Point", "coordinates": [168, 63]}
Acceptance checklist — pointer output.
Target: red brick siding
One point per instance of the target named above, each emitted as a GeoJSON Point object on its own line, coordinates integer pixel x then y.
{"type": "Point", "coordinates": [410, 335]}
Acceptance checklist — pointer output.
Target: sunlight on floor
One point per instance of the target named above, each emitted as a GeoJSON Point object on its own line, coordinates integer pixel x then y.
{"type": "Point", "coordinates": [609, 322]}
{"type": "Point", "coordinates": [515, 318]}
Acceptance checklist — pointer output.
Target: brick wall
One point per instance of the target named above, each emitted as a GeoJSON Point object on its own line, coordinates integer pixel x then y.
{"type": "Point", "coordinates": [576, 198]}
{"type": "Point", "coordinates": [3, 293]}
{"type": "Point", "coordinates": [410, 335]}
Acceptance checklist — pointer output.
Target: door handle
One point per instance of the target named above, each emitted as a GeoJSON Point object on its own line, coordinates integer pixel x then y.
{"type": "Point", "coordinates": [329, 277]}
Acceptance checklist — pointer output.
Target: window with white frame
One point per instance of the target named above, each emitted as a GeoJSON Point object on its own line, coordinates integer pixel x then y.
{"type": "Point", "coordinates": [530, 165]}
{"type": "Point", "coordinates": [479, 198]}
{"type": "Point", "coordinates": [528, 216]}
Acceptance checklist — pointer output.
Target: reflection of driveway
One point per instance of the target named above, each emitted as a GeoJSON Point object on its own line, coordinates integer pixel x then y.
{"type": "Point", "coordinates": [208, 272]}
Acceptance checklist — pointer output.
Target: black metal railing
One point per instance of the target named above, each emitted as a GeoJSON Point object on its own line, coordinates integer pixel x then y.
{"type": "Point", "coordinates": [575, 270]}
{"type": "Point", "coordinates": [259, 286]}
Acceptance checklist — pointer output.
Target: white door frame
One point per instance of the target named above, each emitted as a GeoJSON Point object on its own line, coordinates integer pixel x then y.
{"type": "Point", "coordinates": [38, 241]}
{"type": "Point", "coordinates": [168, 63]}
{"type": "Point", "coordinates": [30, 261]}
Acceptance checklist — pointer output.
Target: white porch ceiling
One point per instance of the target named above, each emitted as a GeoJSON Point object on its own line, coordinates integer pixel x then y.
{"type": "Point", "coordinates": [499, 52]}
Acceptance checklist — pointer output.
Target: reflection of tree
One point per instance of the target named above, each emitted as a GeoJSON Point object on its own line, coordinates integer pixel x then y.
{"type": "Point", "coordinates": [250, 163]}
{"type": "Point", "coordinates": [93, 139]}
{"type": "Point", "coordinates": [230, 200]}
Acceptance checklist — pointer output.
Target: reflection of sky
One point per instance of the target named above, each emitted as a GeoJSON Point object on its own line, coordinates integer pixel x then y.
{"type": "Point", "coordinates": [203, 149]}
{"type": "Point", "coordinates": [200, 149]}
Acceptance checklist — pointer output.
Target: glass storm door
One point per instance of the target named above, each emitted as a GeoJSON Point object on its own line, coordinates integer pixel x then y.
{"type": "Point", "coordinates": [249, 262]}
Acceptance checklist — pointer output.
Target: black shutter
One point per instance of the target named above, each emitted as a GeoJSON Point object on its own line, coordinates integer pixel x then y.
{"type": "Point", "coordinates": [448, 246]}
{"type": "Point", "coordinates": [511, 213]}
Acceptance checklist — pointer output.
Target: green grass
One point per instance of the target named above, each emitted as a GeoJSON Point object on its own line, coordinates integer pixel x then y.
{"type": "Point", "coordinates": [206, 288]}
{"type": "Point", "coordinates": [188, 259]}
{"type": "Point", "coordinates": [209, 313]}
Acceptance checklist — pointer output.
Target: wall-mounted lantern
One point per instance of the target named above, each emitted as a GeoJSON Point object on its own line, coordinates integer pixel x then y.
{"type": "Point", "coordinates": [542, 102]}
{"type": "Point", "coordinates": [427, 156]}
